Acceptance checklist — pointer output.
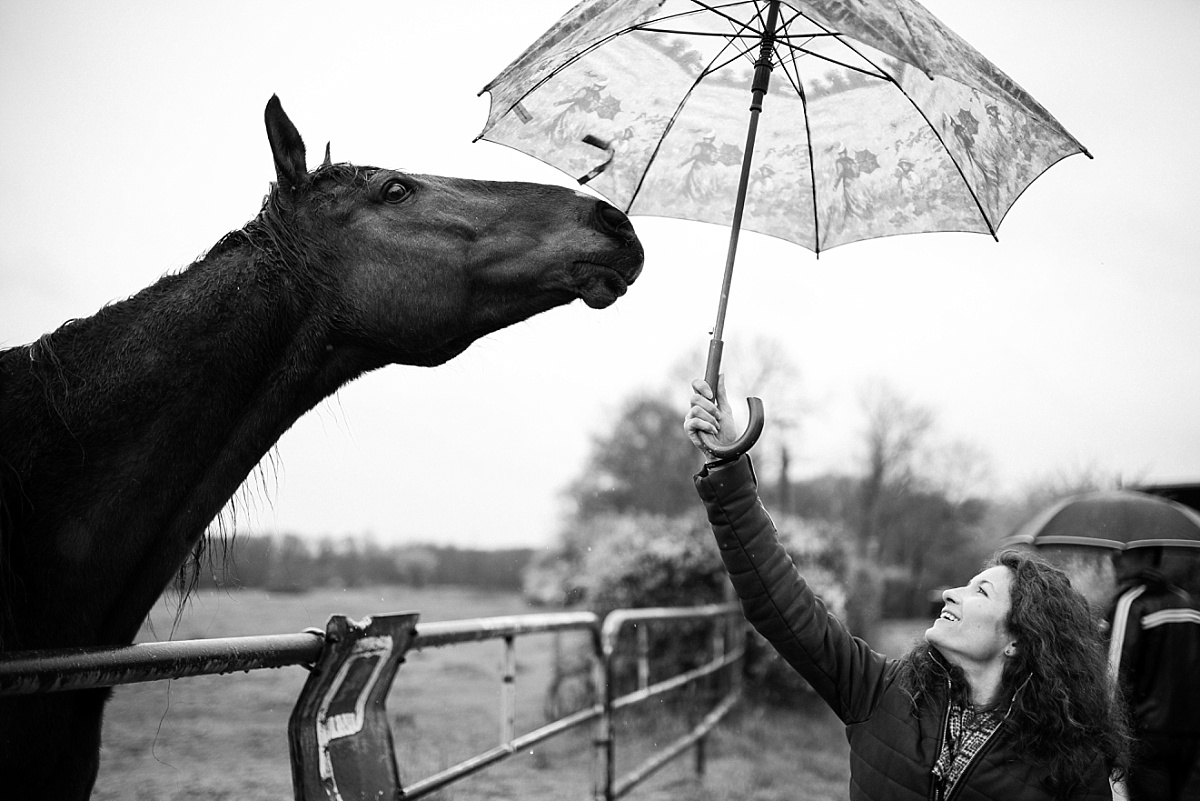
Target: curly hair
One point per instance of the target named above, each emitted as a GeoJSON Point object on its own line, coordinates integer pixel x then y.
{"type": "Point", "coordinates": [1058, 701]}
{"type": "Point", "coordinates": [1068, 711]}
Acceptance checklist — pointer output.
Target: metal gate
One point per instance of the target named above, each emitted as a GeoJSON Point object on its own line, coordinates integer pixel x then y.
{"type": "Point", "coordinates": [338, 734]}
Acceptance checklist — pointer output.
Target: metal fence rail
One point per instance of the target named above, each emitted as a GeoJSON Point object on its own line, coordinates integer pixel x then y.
{"type": "Point", "coordinates": [32, 672]}
{"type": "Point", "coordinates": [338, 733]}
{"type": "Point", "coordinates": [436, 635]}
{"type": "Point", "coordinates": [727, 646]}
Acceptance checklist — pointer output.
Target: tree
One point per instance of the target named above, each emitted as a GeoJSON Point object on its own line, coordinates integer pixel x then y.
{"type": "Point", "coordinates": [290, 567]}
{"type": "Point", "coordinates": [919, 517]}
{"type": "Point", "coordinates": [644, 464]}
{"type": "Point", "coordinates": [896, 429]}
{"type": "Point", "coordinates": [415, 564]}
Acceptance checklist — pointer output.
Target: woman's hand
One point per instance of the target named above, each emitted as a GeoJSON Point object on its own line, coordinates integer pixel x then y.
{"type": "Point", "coordinates": [710, 422]}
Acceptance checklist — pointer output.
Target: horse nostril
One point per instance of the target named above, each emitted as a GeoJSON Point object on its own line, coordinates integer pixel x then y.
{"type": "Point", "coordinates": [613, 221]}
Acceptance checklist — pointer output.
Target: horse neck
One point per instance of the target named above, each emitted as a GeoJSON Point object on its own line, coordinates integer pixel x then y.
{"type": "Point", "coordinates": [138, 426]}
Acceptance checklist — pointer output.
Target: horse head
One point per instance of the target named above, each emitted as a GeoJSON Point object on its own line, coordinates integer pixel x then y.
{"type": "Point", "coordinates": [424, 265]}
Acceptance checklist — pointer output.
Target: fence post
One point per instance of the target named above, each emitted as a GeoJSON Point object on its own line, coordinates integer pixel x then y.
{"type": "Point", "coordinates": [605, 769]}
{"type": "Point", "coordinates": [643, 654]}
{"type": "Point", "coordinates": [338, 733]}
{"type": "Point", "coordinates": [508, 693]}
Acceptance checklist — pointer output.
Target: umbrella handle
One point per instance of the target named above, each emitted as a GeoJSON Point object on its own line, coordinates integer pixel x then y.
{"type": "Point", "coordinates": [754, 407]}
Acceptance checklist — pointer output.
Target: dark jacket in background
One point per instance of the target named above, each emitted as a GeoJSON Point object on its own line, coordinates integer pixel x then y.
{"type": "Point", "coordinates": [1155, 650]}
{"type": "Point", "coordinates": [892, 745]}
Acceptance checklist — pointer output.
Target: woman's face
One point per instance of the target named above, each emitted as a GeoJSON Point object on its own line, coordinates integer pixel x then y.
{"type": "Point", "coordinates": [972, 626]}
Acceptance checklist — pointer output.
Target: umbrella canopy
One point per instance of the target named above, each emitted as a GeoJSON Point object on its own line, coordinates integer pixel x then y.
{"type": "Point", "coordinates": [886, 122]}
{"type": "Point", "coordinates": [1118, 520]}
{"type": "Point", "coordinates": [880, 120]}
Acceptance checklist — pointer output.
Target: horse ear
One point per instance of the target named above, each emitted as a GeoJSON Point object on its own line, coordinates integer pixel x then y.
{"type": "Point", "coordinates": [287, 147]}
{"type": "Point", "coordinates": [327, 162]}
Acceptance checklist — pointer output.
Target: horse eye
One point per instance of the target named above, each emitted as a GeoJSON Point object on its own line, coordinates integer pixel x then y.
{"type": "Point", "coordinates": [394, 192]}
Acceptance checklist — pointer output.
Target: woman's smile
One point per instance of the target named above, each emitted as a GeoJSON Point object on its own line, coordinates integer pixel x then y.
{"type": "Point", "coordinates": [972, 626]}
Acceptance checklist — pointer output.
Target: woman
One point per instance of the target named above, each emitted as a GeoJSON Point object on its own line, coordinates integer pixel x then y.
{"type": "Point", "coordinates": [1007, 698]}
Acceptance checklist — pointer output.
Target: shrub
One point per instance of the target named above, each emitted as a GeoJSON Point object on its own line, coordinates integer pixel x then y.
{"type": "Point", "coordinates": [642, 560]}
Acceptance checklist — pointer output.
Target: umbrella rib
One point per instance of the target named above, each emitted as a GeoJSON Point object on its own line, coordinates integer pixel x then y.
{"type": "Point", "coordinates": [793, 77]}
{"type": "Point", "coordinates": [710, 70]}
{"type": "Point", "coordinates": [950, 155]}
{"type": "Point", "coordinates": [711, 34]}
{"type": "Point", "coordinates": [704, 8]}
{"type": "Point", "coordinates": [675, 116]}
{"type": "Point", "coordinates": [812, 175]}
{"type": "Point", "coordinates": [716, 11]}
{"type": "Point", "coordinates": [554, 72]}
{"type": "Point", "coordinates": [615, 34]}
{"type": "Point", "coordinates": [794, 48]}
{"type": "Point", "coordinates": [785, 40]}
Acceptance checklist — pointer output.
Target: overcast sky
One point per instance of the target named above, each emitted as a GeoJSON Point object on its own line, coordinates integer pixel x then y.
{"type": "Point", "coordinates": [131, 140]}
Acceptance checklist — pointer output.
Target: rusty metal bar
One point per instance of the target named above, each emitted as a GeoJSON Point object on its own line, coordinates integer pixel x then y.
{"type": "Point", "coordinates": [508, 693]}
{"type": "Point", "coordinates": [439, 780]}
{"type": "Point", "coordinates": [436, 635]}
{"type": "Point", "coordinates": [607, 786]}
{"type": "Point", "coordinates": [643, 656]}
{"type": "Point", "coordinates": [618, 618]}
{"type": "Point", "coordinates": [675, 682]}
{"type": "Point", "coordinates": [694, 737]}
{"type": "Point", "coordinates": [30, 672]}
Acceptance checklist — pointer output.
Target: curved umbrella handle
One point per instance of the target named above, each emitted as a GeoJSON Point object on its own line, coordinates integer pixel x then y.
{"type": "Point", "coordinates": [753, 405]}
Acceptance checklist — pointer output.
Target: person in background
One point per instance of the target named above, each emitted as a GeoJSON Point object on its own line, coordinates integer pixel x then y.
{"type": "Point", "coordinates": [1154, 653]}
{"type": "Point", "coordinates": [1006, 698]}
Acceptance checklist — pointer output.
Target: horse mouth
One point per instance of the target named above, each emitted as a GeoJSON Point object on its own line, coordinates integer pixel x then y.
{"type": "Point", "coordinates": [599, 285]}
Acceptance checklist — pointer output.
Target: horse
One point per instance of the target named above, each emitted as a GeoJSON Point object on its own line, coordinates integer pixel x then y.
{"type": "Point", "coordinates": [123, 435]}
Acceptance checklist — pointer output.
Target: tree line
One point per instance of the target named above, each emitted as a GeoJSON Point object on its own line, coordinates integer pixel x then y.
{"type": "Point", "coordinates": [290, 563]}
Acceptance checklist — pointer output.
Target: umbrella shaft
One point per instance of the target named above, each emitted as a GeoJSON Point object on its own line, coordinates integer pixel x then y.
{"type": "Point", "coordinates": [736, 227]}
{"type": "Point", "coordinates": [762, 79]}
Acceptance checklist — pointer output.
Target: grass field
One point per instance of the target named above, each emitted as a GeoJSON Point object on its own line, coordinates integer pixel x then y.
{"type": "Point", "coordinates": [225, 737]}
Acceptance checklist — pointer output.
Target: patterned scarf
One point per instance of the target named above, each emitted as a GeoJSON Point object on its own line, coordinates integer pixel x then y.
{"type": "Point", "coordinates": [969, 729]}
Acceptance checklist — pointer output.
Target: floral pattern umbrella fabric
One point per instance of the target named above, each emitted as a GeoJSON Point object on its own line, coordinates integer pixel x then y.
{"type": "Point", "coordinates": [879, 120]}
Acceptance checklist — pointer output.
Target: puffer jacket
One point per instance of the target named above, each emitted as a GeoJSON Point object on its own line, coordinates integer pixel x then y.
{"type": "Point", "coordinates": [1156, 643]}
{"type": "Point", "coordinates": [892, 746]}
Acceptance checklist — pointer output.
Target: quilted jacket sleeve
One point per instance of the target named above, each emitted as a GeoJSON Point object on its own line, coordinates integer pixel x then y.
{"type": "Point", "coordinates": [778, 602]}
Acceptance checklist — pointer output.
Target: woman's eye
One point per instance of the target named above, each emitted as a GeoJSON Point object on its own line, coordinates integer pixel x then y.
{"type": "Point", "coordinates": [395, 192]}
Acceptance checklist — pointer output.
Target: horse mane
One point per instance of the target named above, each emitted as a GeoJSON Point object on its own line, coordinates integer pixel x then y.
{"type": "Point", "coordinates": [276, 238]}
{"type": "Point", "coordinates": [9, 482]}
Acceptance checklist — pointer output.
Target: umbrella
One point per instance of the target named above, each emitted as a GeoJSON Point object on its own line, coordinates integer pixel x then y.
{"type": "Point", "coordinates": [1118, 520]}
{"type": "Point", "coordinates": [885, 122]}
